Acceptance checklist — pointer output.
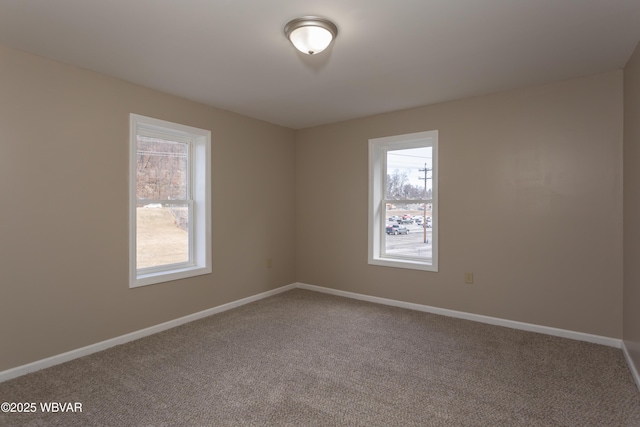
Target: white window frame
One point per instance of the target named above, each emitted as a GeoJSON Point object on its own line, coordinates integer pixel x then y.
{"type": "Point", "coordinates": [199, 175]}
{"type": "Point", "coordinates": [378, 148]}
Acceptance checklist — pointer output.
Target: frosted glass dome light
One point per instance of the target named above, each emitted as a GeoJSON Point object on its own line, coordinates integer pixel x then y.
{"type": "Point", "coordinates": [310, 34]}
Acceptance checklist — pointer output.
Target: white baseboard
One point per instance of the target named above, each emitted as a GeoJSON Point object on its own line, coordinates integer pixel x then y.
{"type": "Point", "coordinates": [103, 345]}
{"type": "Point", "coordinates": [632, 366]}
{"type": "Point", "coordinates": [564, 333]}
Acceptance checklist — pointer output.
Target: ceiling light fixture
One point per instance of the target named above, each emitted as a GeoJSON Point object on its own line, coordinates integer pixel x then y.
{"type": "Point", "coordinates": [310, 34]}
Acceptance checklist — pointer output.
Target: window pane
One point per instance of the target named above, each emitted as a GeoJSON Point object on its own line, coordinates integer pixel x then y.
{"type": "Point", "coordinates": [408, 231]}
{"type": "Point", "coordinates": [161, 169]}
{"type": "Point", "coordinates": [162, 234]}
{"type": "Point", "coordinates": [407, 172]}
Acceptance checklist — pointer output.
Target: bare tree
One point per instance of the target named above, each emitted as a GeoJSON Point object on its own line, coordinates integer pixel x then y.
{"type": "Point", "coordinates": [161, 169]}
{"type": "Point", "coordinates": [399, 187]}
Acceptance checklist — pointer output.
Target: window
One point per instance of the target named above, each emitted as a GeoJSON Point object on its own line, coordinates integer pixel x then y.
{"type": "Point", "coordinates": [403, 201]}
{"type": "Point", "coordinates": [170, 207]}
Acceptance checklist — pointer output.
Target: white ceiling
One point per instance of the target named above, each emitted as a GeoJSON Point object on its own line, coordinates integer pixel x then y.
{"type": "Point", "coordinates": [388, 55]}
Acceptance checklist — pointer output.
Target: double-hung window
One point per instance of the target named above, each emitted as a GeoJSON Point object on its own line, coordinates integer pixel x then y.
{"type": "Point", "coordinates": [403, 201]}
{"type": "Point", "coordinates": [170, 207]}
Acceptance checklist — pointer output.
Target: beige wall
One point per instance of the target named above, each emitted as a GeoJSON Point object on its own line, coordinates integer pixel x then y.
{"type": "Point", "coordinates": [64, 220]}
{"type": "Point", "coordinates": [631, 324]}
{"type": "Point", "coordinates": [530, 201]}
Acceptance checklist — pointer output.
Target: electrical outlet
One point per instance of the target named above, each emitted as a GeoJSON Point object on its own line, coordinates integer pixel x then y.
{"type": "Point", "coordinates": [269, 263]}
{"type": "Point", "coordinates": [468, 278]}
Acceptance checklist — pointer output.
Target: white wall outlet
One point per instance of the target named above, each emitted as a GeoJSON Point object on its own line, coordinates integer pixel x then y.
{"type": "Point", "coordinates": [468, 278]}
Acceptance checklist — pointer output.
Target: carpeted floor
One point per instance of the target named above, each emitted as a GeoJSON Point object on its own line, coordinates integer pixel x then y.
{"type": "Point", "coordinates": [303, 358]}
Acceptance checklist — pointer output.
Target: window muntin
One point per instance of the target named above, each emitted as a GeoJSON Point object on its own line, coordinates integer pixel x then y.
{"type": "Point", "coordinates": [403, 201]}
{"type": "Point", "coordinates": [170, 203]}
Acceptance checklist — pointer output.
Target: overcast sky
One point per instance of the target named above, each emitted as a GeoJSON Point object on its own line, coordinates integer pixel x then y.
{"type": "Point", "coordinates": [411, 161]}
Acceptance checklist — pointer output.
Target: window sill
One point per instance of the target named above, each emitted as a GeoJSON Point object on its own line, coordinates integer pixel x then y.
{"type": "Point", "coordinates": [404, 263]}
{"type": "Point", "coordinates": [167, 276]}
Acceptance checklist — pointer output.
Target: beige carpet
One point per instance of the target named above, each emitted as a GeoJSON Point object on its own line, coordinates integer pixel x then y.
{"type": "Point", "coordinates": [302, 358]}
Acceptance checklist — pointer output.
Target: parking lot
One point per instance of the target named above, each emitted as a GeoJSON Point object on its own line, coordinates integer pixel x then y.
{"type": "Point", "coordinates": [411, 244]}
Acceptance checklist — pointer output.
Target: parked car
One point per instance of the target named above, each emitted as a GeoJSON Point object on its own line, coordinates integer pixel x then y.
{"type": "Point", "coordinates": [394, 218]}
{"type": "Point", "coordinates": [397, 229]}
{"type": "Point", "coordinates": [418, 220]}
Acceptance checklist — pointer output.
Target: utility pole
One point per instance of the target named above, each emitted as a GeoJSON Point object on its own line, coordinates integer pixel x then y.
{"type": "Point", "coordinates": [424, 208]}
